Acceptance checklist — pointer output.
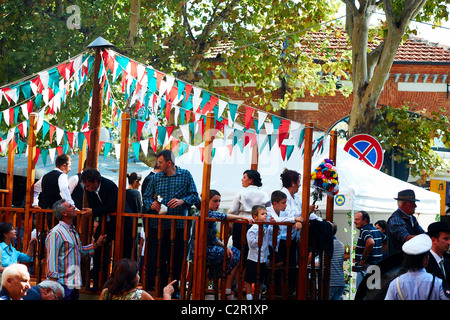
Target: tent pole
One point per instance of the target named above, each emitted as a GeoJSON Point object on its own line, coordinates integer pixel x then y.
{"type": "Point", "coordinates": [125, 134]}
{"type": "Point", "coordinates": [10, 176]}
{"type": "Point", "coordinates": [255, 156]}
{"type": "Point", "coordinates": [325, 285]}
{"type": "Point", "coordinates": [28, 226]}
{"type": "Point", "coordinates": [303, 257]}
{"type": "Point", "coordinates": [96, 112]}
{"type": "Point", "coordinates": [202, 227]}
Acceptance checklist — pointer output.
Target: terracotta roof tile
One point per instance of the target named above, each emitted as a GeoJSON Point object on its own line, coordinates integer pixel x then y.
{"type": "Point", "coordinates": [413, 49]}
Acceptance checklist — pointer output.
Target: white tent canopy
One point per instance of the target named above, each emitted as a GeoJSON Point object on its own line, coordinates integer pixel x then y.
{"type": "Point", "coordinates": [108, 168]}
{"type": "Point", "coordinates": [363, 187]}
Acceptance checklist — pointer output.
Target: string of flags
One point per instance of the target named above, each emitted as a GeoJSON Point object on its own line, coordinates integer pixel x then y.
{"type": "Point", "coordinates": [157, 97]}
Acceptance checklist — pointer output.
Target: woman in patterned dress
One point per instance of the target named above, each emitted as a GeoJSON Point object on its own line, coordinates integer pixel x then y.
{"type": "Point", "coordinates": [215, 248]}
{"type": "Point", "coordinates": [124, 281]}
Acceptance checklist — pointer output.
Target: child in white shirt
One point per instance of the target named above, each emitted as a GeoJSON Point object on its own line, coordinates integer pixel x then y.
{"type": "Point", "coordinates": [258, 252]}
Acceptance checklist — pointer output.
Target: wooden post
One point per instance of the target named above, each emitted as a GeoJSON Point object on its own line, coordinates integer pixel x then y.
{"type": "Point", "coordinates": [28, 225]}
{"type": "Point", "coordinates": [124, 141]}
{"type": "Point", "coordinates": [324, 289]}
{"type": "Point", "coordinates": [255, 157]}
{"type": "Point", "coordinates": [10, 175]}
{"type": "Point", "coordinates": [201, 230]}
{"type": "Point", "coordinates": [303, 257]}
{"type": "Point", "coordinates": [96, 113]}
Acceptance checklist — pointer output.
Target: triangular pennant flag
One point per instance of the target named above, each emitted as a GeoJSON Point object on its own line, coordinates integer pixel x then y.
{"type": "Point", "coordinates": [51, 131]}
{"type": "Point", "coordinates": [276, 123]}
{"type": "Point", "coordinates": [45, 129]}
{"type": "Point", "coordinates": [183, 148]}
{"type": "Point", "coordinates": [107, 149]}
{"type": "Point", "coordinates": [159, 77]}
{"type": "Point", "coordinates": [153, 143]}
{"type": "Point", "coordinates": [289, 149]}
{"type": "Point", "coordinates": [60, 150]}
{"type": "Point", "coordinates": [281, 137]}
{"type": "Point", "coordinates": [162, 134]}
{"type": "Point", "coordinates": [136, 147]}
{"type": "Point", "coordinates": [175, 143]}
{"type": "Point", "coordinates": [51, 153]}
{"type": "Point", "coordinates": [44, 154]}
{"type": "Point", "coordinates": [187, 89]}
{"type": "Point", "coordinates": [70, 138]}
{"type": "Point", "coordinates": [144, 146]}
{"type": "Point", "coordinates": [248, 116]}
{"type": "Point", "coordinates": [87, 134]}
{"type": "Point", "coordinates": [233, 108]}
{"type": "Point", "coordinates": [38, 151]}
{"type": "Point", "coordinates": [140, 125]}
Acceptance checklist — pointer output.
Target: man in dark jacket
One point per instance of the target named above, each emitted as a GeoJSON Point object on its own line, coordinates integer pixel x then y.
{"type": "Point", "coordinates": [402, 225]}
{"type": "Point", "coordinates": [101, 195]}
{"type": "Point", "coordinates": [439, 263]}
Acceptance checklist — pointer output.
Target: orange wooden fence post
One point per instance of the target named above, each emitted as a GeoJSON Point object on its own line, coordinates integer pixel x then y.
{"type": "Point", "coordinates": [124, 142]}
{"type": "Point", "coordinates": [324, 292]}
{"type": "Point", "coordinates": [201, 228]}
{"type": "Point", "coordinates": [28, 225]}
{"type": "Point", "coordinates": [303, 257]}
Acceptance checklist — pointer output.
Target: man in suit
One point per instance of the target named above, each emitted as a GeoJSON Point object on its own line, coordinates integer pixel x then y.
{"type": "Point", "coordinates": [101, 195]}
{"type": "Point", "coordinates": [402, 225]}
{"type": "Point", "coordinates": [439, 263]}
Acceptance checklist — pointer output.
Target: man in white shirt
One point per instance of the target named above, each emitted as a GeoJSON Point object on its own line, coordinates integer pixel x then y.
{"type": "Point", "coordinates": [439, 263]}
{"type": "Point", "coordinates": [54, 185]}
{"type": "Point", "coordinates": [416, 283]}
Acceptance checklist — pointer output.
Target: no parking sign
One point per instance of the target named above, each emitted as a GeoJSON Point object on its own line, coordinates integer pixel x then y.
{"type": "Point", "coordinates": [365, 148]}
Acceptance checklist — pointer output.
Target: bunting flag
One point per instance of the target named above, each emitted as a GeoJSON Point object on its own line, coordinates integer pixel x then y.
{"type": "Point", "coordinates": [248, 116]}
{"type": "Point", "coordinates": [154, 94]}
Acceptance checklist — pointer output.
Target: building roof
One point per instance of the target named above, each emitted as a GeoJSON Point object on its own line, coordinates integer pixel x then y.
{"type": "Point", "coordinates": [413, 50]}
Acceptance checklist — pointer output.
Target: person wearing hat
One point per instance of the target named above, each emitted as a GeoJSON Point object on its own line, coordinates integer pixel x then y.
{"type": "Point", "coordinates": [439, 264]}
{"type": "Point", "coordinates": [416, 283]}
{"type": "Point", "coordinates": [402, 225]}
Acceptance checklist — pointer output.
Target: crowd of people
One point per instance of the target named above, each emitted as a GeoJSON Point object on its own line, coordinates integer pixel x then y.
{"type": "Point", "coordinates": [171, 190]}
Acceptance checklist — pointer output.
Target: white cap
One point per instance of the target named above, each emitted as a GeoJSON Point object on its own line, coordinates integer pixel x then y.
{"type": "Point", "coordinates": [417, 245]}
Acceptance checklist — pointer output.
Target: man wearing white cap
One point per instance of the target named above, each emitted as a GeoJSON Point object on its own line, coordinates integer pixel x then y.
{"type": "Point", "coordinates": [416, 283]}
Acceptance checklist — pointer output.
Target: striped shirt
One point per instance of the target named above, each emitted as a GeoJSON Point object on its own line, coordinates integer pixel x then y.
{"type": "Point", "coordinates": [181, 185]}
{"type": "Point", "coordinates": [64, 251]}
{"type": "Point", "coordinates": [366, 232]}
{"type": "Point", "coordinates": [337, 264]}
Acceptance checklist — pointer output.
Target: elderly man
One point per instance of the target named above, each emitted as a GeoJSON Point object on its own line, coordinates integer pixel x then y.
{"type": "Point", "coordinates": [64, 250]}
{"type": "Point", "coordinates": [402, 225]}
{"type": "Point", "coordinates": [15, 282]}
{"type": "Point", "coordinates": [45, 290]}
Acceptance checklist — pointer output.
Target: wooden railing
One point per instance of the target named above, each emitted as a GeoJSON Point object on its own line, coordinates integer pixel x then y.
{"type": "Point", "coordinates": [277, 277]}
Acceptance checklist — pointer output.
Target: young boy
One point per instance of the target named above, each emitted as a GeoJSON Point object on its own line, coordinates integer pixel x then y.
{"type": "Point", "coordinates": [279, 203]}
{"type": "Point", "coordinates": [259, 214]}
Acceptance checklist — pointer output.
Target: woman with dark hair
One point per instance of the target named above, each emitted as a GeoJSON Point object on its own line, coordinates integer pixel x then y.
{"type": "Point", "coordinates": [124, 281]}
{"type": "Point", "coordinates": [215, 248]}
{"type": "Point", "coordinates": [290, 180]}
{"type": "Point", "coordinates": [133, 204]}
{"type": "Point", "coordinates": [250, 195]}
{"type": "Point", "coordinates": [9, 254]}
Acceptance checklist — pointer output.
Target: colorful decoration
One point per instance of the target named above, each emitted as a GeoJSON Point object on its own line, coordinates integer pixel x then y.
{"type": "Point", "coordinates": [324, 180]}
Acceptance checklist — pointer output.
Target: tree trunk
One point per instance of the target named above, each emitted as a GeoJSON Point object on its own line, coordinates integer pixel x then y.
{"type": "Point", "coordinates": [135, 7]}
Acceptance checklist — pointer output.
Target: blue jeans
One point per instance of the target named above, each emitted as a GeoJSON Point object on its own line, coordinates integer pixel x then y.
{"type": "Point", "coordinates": [336, 292]}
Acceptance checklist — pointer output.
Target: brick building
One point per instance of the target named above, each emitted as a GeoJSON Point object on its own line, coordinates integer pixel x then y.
{"type": "Point", "coordinates": [419, 77]}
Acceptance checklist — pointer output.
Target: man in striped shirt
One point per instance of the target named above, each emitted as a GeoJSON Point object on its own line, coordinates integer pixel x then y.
{"type": "Point", "coordinates": [370, 246]}
{"type": "Point", "coordinates": [64, 250]}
